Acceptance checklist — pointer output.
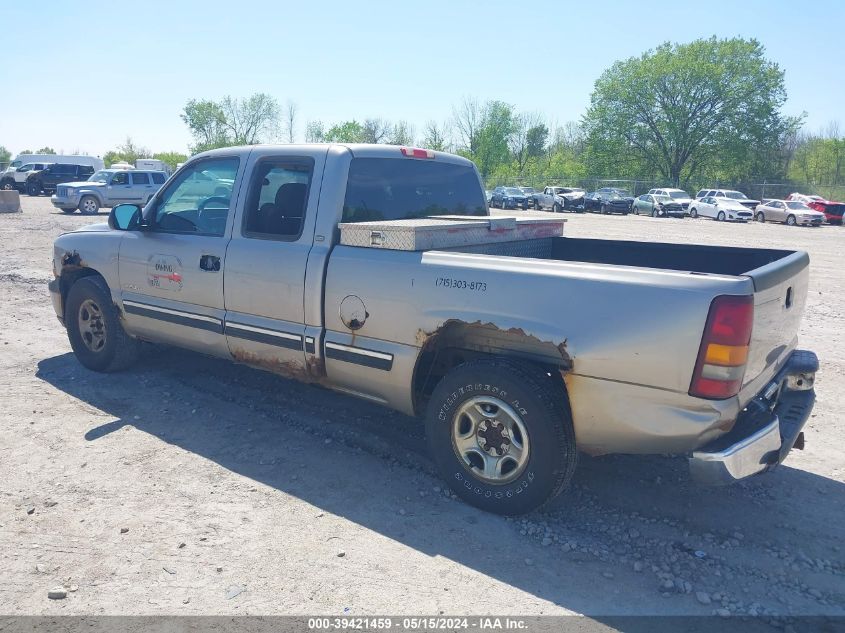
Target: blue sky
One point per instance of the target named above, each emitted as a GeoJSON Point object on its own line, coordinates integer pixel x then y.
{"type": "Point", "coordinates": [84, 75]}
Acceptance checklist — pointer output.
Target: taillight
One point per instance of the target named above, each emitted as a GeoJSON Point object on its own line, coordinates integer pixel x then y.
{"type": "Point", "coordinates": [720, 366]}
{"type": "Point", "coordinates": [412, 152]}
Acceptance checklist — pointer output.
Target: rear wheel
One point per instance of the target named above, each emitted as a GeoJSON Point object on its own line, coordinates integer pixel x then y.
{"type": "Point", "coordinates": [721, 216]}
{"type": "Point", "coordinates": [693, 213]}
{"type": "Point", "coordinates": [761, 217]}
{"type": "Point", "coordinates": [94, 329]}
{"type": "Point", "coordinates": [790, 220]}
{"type": "Point", "coordinates": [556, 207]}
{"type": "Point", "coordinates": [33, 188]}
{"type": "Point", "coordinates": [501, 435]}
{"type": "Point", "coordinates": [89, 205]}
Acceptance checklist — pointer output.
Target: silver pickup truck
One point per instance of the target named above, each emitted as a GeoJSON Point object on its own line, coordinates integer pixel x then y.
{"type": "Point", "coordinates": [517, 354]}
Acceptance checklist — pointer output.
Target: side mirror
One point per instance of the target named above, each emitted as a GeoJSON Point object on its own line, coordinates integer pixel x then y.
{"type": "Point", "coordinates": [125, 217]}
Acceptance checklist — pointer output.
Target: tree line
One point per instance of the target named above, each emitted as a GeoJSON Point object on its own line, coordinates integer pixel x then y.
{"type": "Point", "coordinates": [690, 115]}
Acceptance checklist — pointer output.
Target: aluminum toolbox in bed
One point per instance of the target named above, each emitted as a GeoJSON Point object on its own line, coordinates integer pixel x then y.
{"type": "Point", "coordinates": [447, 232]}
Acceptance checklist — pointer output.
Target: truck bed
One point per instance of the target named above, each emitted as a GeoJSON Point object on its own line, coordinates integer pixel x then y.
{"type": "Point", "coordinates": [694, 258]}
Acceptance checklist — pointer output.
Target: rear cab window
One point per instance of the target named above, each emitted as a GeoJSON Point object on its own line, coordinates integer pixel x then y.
{"type": "Point", "coordinates": [380, 189]}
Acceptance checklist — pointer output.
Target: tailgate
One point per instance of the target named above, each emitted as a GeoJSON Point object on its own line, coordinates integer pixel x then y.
{"type": "Point", "coordinates": [780, 292]}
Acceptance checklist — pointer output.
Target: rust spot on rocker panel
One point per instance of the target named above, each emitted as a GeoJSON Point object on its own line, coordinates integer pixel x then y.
{"type": "Point", "coordinates": [312, 372]}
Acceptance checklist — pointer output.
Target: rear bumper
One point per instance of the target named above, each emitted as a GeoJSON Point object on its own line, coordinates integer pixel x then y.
{"type": "Point", "coordinates": [766, 430]}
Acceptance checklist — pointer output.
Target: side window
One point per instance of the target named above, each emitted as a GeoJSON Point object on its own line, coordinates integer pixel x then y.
{"type": "Point", "coordinates": [158, 178]}
{"type": "Point", "coordinates": [120, 178]}
{"type": "Point", "coordinates": [277, 199]}
{"type": "Point", "coordinates": [198, 201]}
{"type": "Point", "coordinates": [141, 178]}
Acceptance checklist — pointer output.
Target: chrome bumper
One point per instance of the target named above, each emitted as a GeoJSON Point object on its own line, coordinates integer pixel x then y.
{"type": "Point", "coordinates": [766, 430]}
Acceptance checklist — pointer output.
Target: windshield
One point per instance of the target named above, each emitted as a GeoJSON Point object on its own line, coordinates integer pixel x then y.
{"type": "Point", "coordinates": [794, 204]}
{"type": "Point", "coordinates": [528, 189]}
{"type": "Point", "coordinates": [621, 193]}
{"type": "Point", "coordinates": [513, 191]}
{"type": "Point", "coordinates": [99, 176]}
{"type": "Point", "coordinates": [736, 195]}
{"type": "Point", "coordinates": [679, 195]}
{"type": "Point", "coordinates": [663, 198]}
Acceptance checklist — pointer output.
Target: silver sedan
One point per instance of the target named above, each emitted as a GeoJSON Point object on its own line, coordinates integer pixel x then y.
{"type": "Point", "coordinates": [791, 212]}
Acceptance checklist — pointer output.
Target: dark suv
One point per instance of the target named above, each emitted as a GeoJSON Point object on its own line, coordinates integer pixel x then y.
{"type": "Point", "coordinates": [47, 179]}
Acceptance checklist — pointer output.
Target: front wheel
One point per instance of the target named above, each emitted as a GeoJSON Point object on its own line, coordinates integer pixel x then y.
{"type": "Point", "coordinates": [7, 185]}
{"type": "Point", "coordinates": [89, 205]}
{"type": "Point", "coordinates": [501, 435]}
{"type": "Point", "coordinates": [33, 189]}
{"type": "Point", "coordinates": [94, 329]}
{"type": "Point", "coordinates": [693, 213]}
{"type": "Point", "coordinates": [556, 207]}
{"type": "Point", "coordinates": [790, 220]}
{"type": "Point", "coordinates": [653, 212]}
{"type": "Point", "coordinates": [721, 216]}
{"type": "Point", "coordinates": [761, 217]}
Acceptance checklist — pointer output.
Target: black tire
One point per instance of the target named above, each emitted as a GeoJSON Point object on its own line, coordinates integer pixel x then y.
{"type": "Point", "coordinates": [118, 350]}
{"type": "Point", "coordinates": [89, 205]}
{"type": "Point", "coordinates": [693, 213]}
{"type": "Point", "coordinates": [761, 217]}
{"type": "Point", "coordinates": [33, 188]}
{"type": "Point", "coordinates": [720, 217]}
{"type": "Point", "coordinates": [653, 212]}
{"type": "Point", "coordinates": [542, 409]}
{"type": "Point", "coordinates": [69, 211]}
{"type": "Point", "coordinates": [556, 207]}
{"type": "Point", "coordinates": [7, 185]}
{"type": "Point", "coordinates": [537, 206]}
{"type": "Point", "coordinates": [790, 220]}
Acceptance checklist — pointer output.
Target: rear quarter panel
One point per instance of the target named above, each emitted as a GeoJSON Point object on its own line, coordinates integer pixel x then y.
{"type": "Point", "coordinates": [630, 334]}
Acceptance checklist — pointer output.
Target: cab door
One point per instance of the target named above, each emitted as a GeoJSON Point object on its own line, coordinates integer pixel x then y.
{"type": "Point", "coordinates": [267, 258]}
{"type": "Point", "coordinates": [172, 272]}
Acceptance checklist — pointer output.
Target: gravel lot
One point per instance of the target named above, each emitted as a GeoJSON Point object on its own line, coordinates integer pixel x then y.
{"type": "Point", "coordinates": [189, 485]}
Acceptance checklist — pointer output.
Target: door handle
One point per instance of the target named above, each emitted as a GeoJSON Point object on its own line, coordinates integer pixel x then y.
{"type": "Point", "coordinates": [210, 263]}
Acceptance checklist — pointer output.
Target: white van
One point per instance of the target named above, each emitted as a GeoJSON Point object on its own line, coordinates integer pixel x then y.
{"type": "Point", "coordinates": [14, 176]}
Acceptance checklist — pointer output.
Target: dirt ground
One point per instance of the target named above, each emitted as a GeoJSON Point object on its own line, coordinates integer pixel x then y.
{"type": "Point", "coordinates": [189, 485]}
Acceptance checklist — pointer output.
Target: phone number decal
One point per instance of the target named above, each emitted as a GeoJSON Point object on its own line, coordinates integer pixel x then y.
{"type": "Point", "coordinates": [461, 284]}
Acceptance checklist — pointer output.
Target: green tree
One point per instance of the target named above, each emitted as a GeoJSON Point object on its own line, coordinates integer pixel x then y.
{"type": "Point", "coordinates": [127, 152]}
{"type": "Point", "coordinates": [205, 120]}
{"type": "Point", "coordinates": [345, 132]}
{"type": "Point", "coordinates": [46, 150]}
{"type": "Point", "coordinates": [232, 121]}
{"type": "Point", "coordinates": [401, 133]}
{"type": "Point", "coordinates": [5, 155]}
{"type": "Point", "coordinates": [682, 106]}
{"type": "Point", "coordinates": [171, 159]}
{"type": "Point", "coordinates": [436, 136]}
{"type": "Point", "coordinates": [493, 136]}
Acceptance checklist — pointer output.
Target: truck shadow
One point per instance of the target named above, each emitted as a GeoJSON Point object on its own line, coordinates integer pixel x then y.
{"type": "Point", "coordinates": [619, 511]}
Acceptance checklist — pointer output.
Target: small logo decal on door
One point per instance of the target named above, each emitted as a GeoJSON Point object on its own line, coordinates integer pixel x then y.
{"type": "Point", "coordinates": [165, 273]}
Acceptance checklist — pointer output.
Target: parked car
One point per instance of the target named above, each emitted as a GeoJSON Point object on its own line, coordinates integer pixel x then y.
{"type": "Point", "coordinates": [559, 199]}
{"type": "Point", "coordinates": [833, 211]}
{"type": "Point", "coordinates": [9, 180]}
{"type": "Point", "coordinates": [657, 206]}
{"type": "Point", "coordinates": [16, 179]}
{"type": "Point", "coordinates": [609, 200]}
{"type": "Point", "coordinates": [511, 375]}
{"type": "Point", "coordinates": [678, 195]}
{"type": "Point", "coordinates": [509, 198]}
{"type": "Point", "coordinates": [107, 188]}
{"type": "Point", "coordinates": [48, 178]}
{"type": "Point", "coordinates": [789, 212]}
{"type": "Point", "coordinates": [488, 193]}
{"type": "Point", "coordinates": [728, 193]}
{"type": "Point", "coordinates": [721, 209]}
